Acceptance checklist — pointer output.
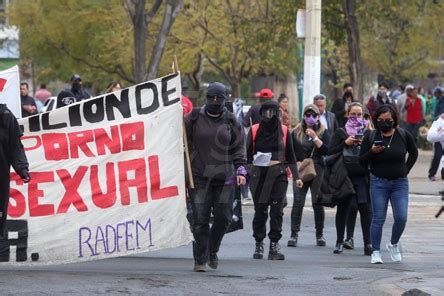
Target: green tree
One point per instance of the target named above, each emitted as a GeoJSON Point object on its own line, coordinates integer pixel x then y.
{"type": "Point", "coordinates": [102, 39]}
{"type": "Point", "coordinates": [236, 38]}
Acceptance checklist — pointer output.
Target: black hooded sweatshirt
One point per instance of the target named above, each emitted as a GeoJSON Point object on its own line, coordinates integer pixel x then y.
{"type": "Point", "coordinates": [217, 144]}
{"type": "Point", "coordinates": [11, 153]}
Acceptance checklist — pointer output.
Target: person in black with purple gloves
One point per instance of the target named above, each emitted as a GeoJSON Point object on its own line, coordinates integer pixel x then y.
{"type": "Point", "coordinates": [217, 147]}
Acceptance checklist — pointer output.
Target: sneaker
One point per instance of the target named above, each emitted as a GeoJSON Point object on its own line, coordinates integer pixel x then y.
{"type": "Point", "coordinates": [320, 241]}
{"type": "Point", "coordinates": [432, 178]}
{"type": "Point", "coordinates": [339, 248]}
{"type": "Point", "coordinates": [274, 253]}
{"type": "Point", "coordinates": [259, 250]}
{"type": "Point", "coordinates": [200, 267]}
{"type": "Point", "coordinates": [349, 244]}
{"type": "Point", "coordinates": [376, 257]}
{"type": "Point", "coordinates": [293, 241]}
{"type": "Point", "coordinates": [247, 201]}
{"type": "Point", "coordinates": [214, 261]}
{"type": "Point", "coordinates": [395, 252]}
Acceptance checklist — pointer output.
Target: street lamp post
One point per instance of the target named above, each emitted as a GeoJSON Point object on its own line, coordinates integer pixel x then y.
{"type": "Point", "coordinates": [312, 54]}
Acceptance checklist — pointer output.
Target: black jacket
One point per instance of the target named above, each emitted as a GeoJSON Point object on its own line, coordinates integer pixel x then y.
{"type": "Point", "coordinates": [11, 150]}
{"type": "Point", "coordinates": [217, 145]}
{"type": "Point", "coordinates": [335, 185]}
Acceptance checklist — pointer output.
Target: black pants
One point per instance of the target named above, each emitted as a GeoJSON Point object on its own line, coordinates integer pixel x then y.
{"type": "Point", "coordinates": [437, 154]}
{"type": "Point", "coordinates": [4, 202]}
{"type": "Point", "coordinates": [343, 210]}
{"type": "Point", "coordinates": [209, 196]}
{"type": "Point", "coordinates": [299, 201]}
{"type": "Point", "coordinates": [268, 186]}
{"type": "Point", "coordinates": [351, 218]}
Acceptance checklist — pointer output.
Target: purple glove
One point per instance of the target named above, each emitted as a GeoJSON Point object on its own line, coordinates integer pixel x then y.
{"type": "Point", "coordinates": [241, 171]}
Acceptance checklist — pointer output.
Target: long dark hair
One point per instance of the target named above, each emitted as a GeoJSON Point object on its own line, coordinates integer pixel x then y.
{"type": "Point", "coordinates": [384, 109]}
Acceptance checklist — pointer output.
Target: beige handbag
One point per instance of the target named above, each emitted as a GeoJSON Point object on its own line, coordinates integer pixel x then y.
{"type": "Point", "coordinates": [306, 168]}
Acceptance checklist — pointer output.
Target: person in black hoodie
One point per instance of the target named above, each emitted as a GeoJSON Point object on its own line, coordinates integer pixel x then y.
{"type": "Point", "coordinates": [218, 160]}
{"type": "Point", "coordinates": [310, 140]}
{"type": "Point", "coordinates": [11, 153]}
{"type": "Point", "coordinates": [270, 151]}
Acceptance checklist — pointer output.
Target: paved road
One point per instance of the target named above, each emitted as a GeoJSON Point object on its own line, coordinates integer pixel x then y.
{"type": "Point", "coordinates": [307, 270]}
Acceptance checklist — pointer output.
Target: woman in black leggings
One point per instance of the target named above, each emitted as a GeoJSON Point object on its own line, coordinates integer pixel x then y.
{"type": "Point", "coordinates": [347, 141]}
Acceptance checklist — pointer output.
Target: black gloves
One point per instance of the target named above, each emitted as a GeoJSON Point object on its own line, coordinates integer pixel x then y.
{"type": "Point", "coordinates": [24, 174]}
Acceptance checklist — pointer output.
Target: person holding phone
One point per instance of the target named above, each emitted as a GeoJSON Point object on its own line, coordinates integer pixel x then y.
{"type": "Point", "coordinates": [384, 151]}
{"type": "Point", "coordinates": [348, 141]}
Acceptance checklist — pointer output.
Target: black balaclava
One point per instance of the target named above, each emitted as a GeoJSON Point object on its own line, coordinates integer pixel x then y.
{"type": "Point", "coordinates": [76, 86]}
{"type": "Point", "coordinates": [269, 134]}
{"type": "Point", "coordinates": [216, 95]}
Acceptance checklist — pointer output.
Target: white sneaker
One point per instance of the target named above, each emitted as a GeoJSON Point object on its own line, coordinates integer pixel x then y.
{"type": "Point", "coordinates": [395, 252]}
{"type": "Point", "coordinates": [247, 201]}
{"type": "Point", "coordinates": [376, 257]}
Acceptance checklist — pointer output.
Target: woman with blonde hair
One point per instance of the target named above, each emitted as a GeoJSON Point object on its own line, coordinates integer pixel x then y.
{"type": "Point", "coordinates": [310, 140]}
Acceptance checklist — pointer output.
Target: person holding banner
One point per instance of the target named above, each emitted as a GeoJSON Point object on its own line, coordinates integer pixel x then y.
{"type": "Point", "coordinates": [217, 148]}
{"type": "Point", "coordinates": [270, 150]}
{"type": "Point", "coordinates": [11, 153]}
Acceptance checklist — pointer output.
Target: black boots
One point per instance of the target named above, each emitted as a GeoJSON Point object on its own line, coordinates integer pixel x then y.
{"type": "Point", "coordinates": [320, 241]}
{"type": "Point", "coordinates": [349, 243]}
{"type": "Point", "coordinates": [259, 250]}
{"type": "Point", "coordinates": [274, 253]}
{"type": "Point", "coordinates": [214, 261]}
{"type": "Point", "coordinates": [368, 250]}
{"type": "Point", "coordinates": [339, 248]}
{"type": "Point", "coordinates": [293, 241]}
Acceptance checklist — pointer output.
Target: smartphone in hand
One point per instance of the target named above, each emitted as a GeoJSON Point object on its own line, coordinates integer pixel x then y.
{"type": "Point", "coordinates": [378, 143]}
{"type": "Point", "coordinates": [358, 136]}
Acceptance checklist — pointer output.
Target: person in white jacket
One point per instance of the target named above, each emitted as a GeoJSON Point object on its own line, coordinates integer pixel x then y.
{"type": "Point", "coordinates": [436, 135]}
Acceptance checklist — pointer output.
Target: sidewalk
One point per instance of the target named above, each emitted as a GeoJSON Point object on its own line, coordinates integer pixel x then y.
{"type": "Point", "coordinates": [418, 177]}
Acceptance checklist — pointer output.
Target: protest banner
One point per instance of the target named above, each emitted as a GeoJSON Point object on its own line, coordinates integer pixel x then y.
{"type": "Point", "coordinates": [107, 178]}
{"type": "Point", "coordinates": [10, 90]}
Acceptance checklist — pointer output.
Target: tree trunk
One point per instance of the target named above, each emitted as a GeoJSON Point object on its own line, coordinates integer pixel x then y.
{"type": "Point", "coordinates": [140, 19]}
{"type": "Point", "coordinates": [140, 28]}
{"type": "Point", "coordinates": [171, 11]}
{"type": "Point", "coordinates": [195, 77]}
{"type": "Point", "coordinates": [236, 89]}
{"type": "Point", "coordinates": [354, 51]}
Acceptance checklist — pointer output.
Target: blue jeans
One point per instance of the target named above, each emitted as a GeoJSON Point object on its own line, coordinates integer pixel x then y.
{"type": "Point", "coordinates": [382, 191]}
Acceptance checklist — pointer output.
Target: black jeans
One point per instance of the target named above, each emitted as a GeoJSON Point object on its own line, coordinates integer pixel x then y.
{"type": "Point", "coordinates": [208, 197]}
{"type": "Point", "coordinates": [4, 202]}
{"type": "Point", "coordinates": [437, 154]}
{"type": "Point", "coordinates": [268, 186]}
{"type": "Point", "coordinates": [343, 212]}
{"type": "Point", "coordinates": [299, 201]}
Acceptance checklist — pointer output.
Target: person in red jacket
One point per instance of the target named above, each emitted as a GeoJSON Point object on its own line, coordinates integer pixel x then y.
{"type": "Point", "coordinates": [187, 105]}
{"type": "Point", "coordinates": [414, 118]}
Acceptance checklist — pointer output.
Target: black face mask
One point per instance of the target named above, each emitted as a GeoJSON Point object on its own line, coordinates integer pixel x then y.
{"type": "Point", "coordinates": [76, 86]}
{"type": "Point", "coordinates": [215, 106]}
{"type": "Point", "coordinates": [348, 94]}
{"type": "Point", "coordinates": [385, 126]}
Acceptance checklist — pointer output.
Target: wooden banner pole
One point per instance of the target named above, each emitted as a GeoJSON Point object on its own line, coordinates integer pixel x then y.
{"type": "Point", "coordinates": [185, 138]}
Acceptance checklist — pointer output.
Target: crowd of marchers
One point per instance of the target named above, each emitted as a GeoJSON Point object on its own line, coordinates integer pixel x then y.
{"type": "Point", "coordinates": [355, 158]}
